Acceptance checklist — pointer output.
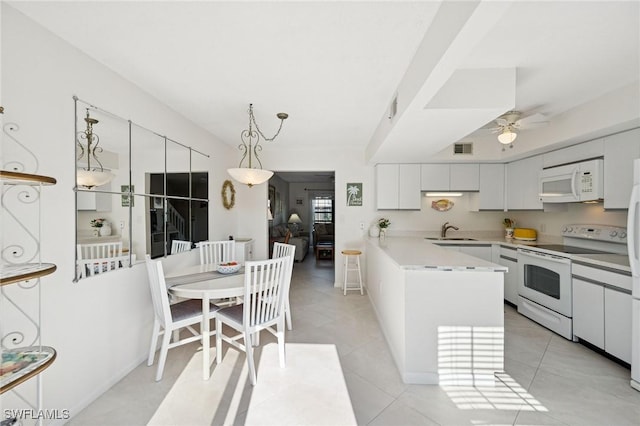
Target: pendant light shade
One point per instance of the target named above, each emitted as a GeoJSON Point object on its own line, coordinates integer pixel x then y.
{"type": "Point", "coordinates": [250, 176]}
{"type": "Point", "coordinates": [253, 174]}
{"type": "Point", "coordinates": [92, 178]}
{"type": "Point", "coordinates": [93, 174]}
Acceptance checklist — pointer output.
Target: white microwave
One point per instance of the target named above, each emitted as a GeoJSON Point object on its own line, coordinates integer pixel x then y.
{"type": "Point", "coordinates": [571, 183]}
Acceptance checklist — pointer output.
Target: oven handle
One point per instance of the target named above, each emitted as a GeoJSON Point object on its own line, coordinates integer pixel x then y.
{"type": "Point", "coordinates": [545, 256]}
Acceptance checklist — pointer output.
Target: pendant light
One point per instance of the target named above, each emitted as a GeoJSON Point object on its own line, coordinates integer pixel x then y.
{"type": "Point", "coordinates": [92, 175]}
{"type": "Point", "coordinates": [253, 174]}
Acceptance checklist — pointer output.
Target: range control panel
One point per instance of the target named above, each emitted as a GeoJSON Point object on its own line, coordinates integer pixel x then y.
{"type": "Point", "coordinates": [613, 234]}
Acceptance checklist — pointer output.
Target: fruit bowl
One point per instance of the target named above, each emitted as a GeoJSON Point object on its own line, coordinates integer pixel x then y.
{"type": "Point", "coordinates": [229, 267]}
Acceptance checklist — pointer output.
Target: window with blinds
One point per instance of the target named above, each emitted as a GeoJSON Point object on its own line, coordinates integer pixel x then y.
{"type": "Point", "coordinates": [322, 209]}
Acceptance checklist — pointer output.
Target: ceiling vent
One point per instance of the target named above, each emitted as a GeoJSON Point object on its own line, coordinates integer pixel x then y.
{"type": "Point", "coordinates": [463, 148]}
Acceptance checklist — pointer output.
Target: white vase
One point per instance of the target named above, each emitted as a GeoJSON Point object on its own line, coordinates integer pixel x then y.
{"type": "Point", "coordinates": [105, 230]}
{"type": "Point", "coordinates": [383, 234]}
{"type": "Point", "coordinates": [374, 231]}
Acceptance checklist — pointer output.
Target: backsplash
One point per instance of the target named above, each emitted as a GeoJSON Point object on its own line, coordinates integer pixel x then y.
{"type": "Point", "coordinates": [546, 223]}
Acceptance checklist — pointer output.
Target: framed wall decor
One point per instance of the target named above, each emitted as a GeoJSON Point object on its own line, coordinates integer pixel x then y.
{"type": "Point", "coordinates": [127, 200]}
{"type": "Point", "coordinates": [354, 194]}
{"type": "Point", "coordinates": [272, 200]}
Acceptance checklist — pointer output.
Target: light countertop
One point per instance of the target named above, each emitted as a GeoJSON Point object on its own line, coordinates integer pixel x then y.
{"type": "Point", "coordinates": [419, 254]}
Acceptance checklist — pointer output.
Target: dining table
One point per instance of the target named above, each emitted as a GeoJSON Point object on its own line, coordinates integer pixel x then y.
{"type": "Point", "coordinates": [206, 283]}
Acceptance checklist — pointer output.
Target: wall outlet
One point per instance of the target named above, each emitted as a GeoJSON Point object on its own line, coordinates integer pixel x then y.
{"type": "Point", "coordinates": [362, 226]}
{"type": "Point", "coordinates": [543, 228]}
{"type": "Point", "coordinates": [122, 224]}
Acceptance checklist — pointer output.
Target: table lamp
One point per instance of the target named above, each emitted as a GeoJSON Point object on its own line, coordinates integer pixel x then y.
{"type": "Point", "coordinates": [294, 220]}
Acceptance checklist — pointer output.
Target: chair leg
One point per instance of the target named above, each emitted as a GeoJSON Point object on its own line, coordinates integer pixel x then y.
{"type": "Point", "coordinates": [154, 342]}
{"type": "Point", "coordinates": [218, 341]}
{"type": "Point", "coordinates": [288, 314]}
{"type": "Point", "coordinates": [250, 362]}
{"type": "Point", "coordinates": [281, 352]}
{"type": "Point", "coordinates": [163, 354]}
{"type": "Point", "coordinates": [346, 266]}
{"type": "Point", "coordinates": [359, 275]}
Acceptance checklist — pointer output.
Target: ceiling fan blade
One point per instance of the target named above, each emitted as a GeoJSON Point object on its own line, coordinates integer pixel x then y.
{"type": "Point", "coordinates": [533, 119]}
{"type": "Point", "coordinates": [502, 122]}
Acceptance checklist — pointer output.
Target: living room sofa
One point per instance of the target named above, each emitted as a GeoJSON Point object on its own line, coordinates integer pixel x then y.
{"type": "Point", "coordinates": [277, 233]}
{"type": "Point", "coordinates": [323, 233]}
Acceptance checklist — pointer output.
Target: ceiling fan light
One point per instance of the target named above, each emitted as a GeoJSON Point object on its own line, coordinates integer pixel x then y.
{"type": "Point", "coordinates": [250, 176]}
{"type": "Point", "coordinates": [507, 137]}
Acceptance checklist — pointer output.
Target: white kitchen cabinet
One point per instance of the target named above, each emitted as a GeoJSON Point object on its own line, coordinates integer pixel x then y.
{"type": "Point", "coordinates": [522, 184]}
{"type": "Point", "coordinates": [244, 250]}
{"type": "Point", "coordinates": [573, 154]}
{"type": "Point", "coordinates": [398, 187]}
{"type": "Point", "coordinates": [617, 324]}
{"type": "Point", "coordinates": [602, 308]}
{"type": "Point", "coordinates": [479, 251]}
{"type": "Point", "coordinates": [434, 177]}
{"type": "Point", "coordinates": [464, 177]}
{"type": "Point", "coordinates": [491, 185]}
{"type": "Point", "coordinates": [449, 177]}
{"type": "Point", "coordinates": [619, 152]}
{"type": "Point", "coordinates": [94, 201]}
{"type": "Point", "coordinates": [588, 312]}
{"type": "Point", "coordinates": [508, 258]}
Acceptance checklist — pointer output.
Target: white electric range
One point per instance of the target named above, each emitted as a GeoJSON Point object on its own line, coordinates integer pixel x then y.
{"type": "Point", "coordinates": [544, 272]}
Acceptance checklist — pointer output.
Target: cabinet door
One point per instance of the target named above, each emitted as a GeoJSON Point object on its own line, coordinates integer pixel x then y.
{"type": "Point", "coordinates": [464, 177]}
{"type": "Point", "coordinates": [619, 152]}
{"type": "Point", "coordinates": [481, 252]}
{"type": "Point", "coordinates": [510, 280]}
{"type": "Point", "coordinates": [409, 187]}
{"type": "Point", "coordinates": [588, 312]}
{"type": "Point", "coordinates": [617, 324]}
{"type": "Point", "coordinates": [522, 184]}
{"type": "Point", "coordinates": [387, 181]}
{"type": "Point", "coordinates": [94, 201]}
{"type": "Point", "coordinates": [434, 177]}
{"type": "Point", "coordinates": [491, 195]}
{"type": "Point", "coordinates": [572, 154]}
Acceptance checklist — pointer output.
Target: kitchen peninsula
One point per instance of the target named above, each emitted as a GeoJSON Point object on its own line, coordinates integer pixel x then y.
{"type": "Point", "coordinates": [441, 311]}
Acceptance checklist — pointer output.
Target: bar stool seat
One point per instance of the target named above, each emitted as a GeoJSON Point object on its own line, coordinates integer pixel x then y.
{"type": "Point", "coordinates": [352, 266]}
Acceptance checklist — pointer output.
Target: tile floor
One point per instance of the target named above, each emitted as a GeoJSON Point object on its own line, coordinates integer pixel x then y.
{"type": "Point", "coordinates": [547, 380]}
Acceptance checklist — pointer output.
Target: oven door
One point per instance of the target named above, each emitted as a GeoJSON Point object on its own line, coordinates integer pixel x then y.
{"type": "Point", "coordinates": [545, 279]}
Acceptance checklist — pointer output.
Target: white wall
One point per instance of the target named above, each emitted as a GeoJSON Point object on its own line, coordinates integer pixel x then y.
{"type": "Point", "coordinates": [100, 326]}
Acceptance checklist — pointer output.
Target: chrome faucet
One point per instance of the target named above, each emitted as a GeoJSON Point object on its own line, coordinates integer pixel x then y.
{"type": "Point", "coordinates": [445, 228]}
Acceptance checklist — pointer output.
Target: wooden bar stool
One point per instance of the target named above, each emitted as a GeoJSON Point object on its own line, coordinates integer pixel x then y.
{"type": "Point", "coordinates": [352, 266]}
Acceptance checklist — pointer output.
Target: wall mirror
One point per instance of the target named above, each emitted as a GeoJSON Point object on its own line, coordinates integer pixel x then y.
{"type": "Point", "coordinates": [136, 192]}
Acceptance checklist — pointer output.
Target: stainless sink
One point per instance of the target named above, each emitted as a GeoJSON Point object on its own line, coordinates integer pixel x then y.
{"type": "Point", "coordinates": [451, 239]}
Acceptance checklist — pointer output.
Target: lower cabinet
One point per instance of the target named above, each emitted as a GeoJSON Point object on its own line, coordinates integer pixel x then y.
{"type": "Point", "coordinates": [508, 258]}
{"type": "Point", "coordinates": [602, 311]}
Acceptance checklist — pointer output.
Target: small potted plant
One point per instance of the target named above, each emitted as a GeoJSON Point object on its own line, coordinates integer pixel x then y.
{"type": "Point", "coordinates": [509, 224]}
{"type": "Point", "coordinates": [383, 224]}
{"type": "Point", "coordinates": [103, 228]}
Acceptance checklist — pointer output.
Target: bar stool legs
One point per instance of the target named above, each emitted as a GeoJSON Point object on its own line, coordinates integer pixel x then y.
{"type": "Point", "coordinates": [352, 266]}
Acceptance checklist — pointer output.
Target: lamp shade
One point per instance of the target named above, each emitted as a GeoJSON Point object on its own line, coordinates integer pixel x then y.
{"type": "Point", "coordinates": [269, 215]}
{"type": "Point", "coordinates": [249, 176]}
{"type": "Point", "coordinates": [294, 218]}
{"type": "Point", "coordinates": [92, 178]}
{"type": "Point", "coordinates": [507, 137]}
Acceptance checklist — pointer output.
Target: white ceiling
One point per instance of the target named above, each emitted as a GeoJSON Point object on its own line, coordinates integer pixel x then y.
{"type": "Point", "coordinates": [335, 66]}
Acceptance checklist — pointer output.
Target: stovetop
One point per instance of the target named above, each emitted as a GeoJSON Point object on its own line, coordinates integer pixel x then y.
{"type": "Point", "coordinates": [568, 249]}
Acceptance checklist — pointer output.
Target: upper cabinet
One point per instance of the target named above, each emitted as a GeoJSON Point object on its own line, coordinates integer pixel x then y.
{"type": "Point", "coordinates": [398, 187]}
{"type": "Point", "coordinates": [491, 194]}
{"type": "Point", "coordinates": [450, 177]}
{"type": "Point", "coordinates": [619, 152]}
{"type": "Point", "coordinates": [522, 184]}
{"type": "Point", "coordinates": [575, 153]}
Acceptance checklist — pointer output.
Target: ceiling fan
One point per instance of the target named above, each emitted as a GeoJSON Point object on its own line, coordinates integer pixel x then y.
{"type": "Point", "coordinates": [509, 123]}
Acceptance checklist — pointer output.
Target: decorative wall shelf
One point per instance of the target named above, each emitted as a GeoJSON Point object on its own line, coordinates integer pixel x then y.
{"type": "Point", "coordinates": [21, 364]}
{"type": "Point", "coordinates": [26, 271]}
{"type": "Point", "coordinates": [17, 178]}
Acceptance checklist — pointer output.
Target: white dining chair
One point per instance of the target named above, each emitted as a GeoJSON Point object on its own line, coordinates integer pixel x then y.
{"type": "Point", "coordinates": [99, 250]}
{"type": "Point", "coordinates": [289, 251]}
{"type": "Point", "coordinates": [169, 318]}
{"type": "Point", "coordinates": [217, 251]}
{"type": "Point", "coordinates": [265, 287]}
{"type": "Point", "coordinates": [179, 246]}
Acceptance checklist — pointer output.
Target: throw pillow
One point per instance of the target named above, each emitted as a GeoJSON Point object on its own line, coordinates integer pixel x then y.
{"type": "Point", "coordinates": [321, 229]}
{"type": "Point", "coordinates": [329, 228]}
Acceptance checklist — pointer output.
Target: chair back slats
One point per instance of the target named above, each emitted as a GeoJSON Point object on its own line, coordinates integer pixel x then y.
{"type": "Point", "coordinates": [217, 251]}
{"type": "Point", "coordinates": [99, 250]}
{"type": "Point", "coordinates": [288, 251]}
{"type": "Point", "coordinates": [159, 293]}
{"type": "Point", "coordinates": [91, 267]}
{"type": "Point", "coordinates": [264, 290]}
{"type": "Point", "coordinates": [179, 246]}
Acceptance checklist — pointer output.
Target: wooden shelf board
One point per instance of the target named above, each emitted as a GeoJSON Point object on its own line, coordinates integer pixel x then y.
{"type": "Point", "coordinates": [16, 178]}
{"type": "Point", "coordinates": [32, 360]}
{"type": "Point", "coordinates": [10, 274]}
